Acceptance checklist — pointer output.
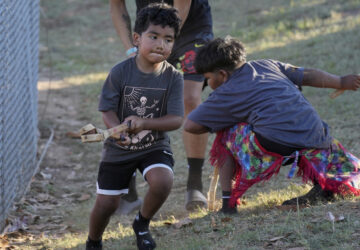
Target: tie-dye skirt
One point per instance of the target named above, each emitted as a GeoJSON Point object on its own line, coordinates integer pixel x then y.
{"type": "Point", "coordinates": [335, 169]}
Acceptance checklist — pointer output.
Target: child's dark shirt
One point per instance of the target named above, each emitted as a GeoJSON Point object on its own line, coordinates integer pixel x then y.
{"type": "Point", "coordinates": [128, 91]}
{"type": "Point", "coordinates": [265, 94]}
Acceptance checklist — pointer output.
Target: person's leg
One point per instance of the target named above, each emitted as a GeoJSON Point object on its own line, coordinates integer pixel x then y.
{"type": "Point", "coordinates": [195, 147]}
{"type": "Point", "coordinates": [160, 181]}
{"type": "Point", "coordinates": [112, 182]}
{"type": "Point", "coordinates": [129, 202]}
{"type": "Point", "coordinates": [105, 206]}
{"type": "Point", "coordinates": [226, 174]}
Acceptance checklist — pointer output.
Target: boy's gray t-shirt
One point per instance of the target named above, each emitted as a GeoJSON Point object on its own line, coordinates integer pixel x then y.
{"type": "Point", "coordinates": [265, 94]}
{"type": "Point", "coordinates": [128, 91]}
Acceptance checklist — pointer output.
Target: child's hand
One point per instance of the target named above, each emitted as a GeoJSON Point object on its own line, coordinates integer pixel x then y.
{"type": "Point", "coordinates": [136, 124]}
{"type": "Point", "coordinates": [124, 139]}
{"type": "Point", "coordinates": [350, 82]}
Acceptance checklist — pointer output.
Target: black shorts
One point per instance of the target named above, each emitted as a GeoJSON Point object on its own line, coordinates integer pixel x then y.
{"type": "Point", "coordinates": [183, 59]}
{"type": "Point", "coordinates": [114, 177]}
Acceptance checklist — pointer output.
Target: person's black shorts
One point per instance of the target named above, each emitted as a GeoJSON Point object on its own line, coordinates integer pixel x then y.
{"type": "Point", "coordinates": [114, 177]}
{"type": "Point", "coordinates": [183, 59]}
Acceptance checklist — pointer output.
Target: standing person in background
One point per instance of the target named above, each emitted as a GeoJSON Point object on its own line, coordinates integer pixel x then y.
{"type": "Point", "coordinates": [196, 30]}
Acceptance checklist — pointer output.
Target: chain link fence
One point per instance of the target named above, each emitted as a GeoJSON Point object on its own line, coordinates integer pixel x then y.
{"type": "Point", "coordinates": [19, 38]}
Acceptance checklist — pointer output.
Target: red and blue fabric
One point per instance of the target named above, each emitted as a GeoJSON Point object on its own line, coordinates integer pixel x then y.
{"type": "Point", "coordinates": [335, 169]}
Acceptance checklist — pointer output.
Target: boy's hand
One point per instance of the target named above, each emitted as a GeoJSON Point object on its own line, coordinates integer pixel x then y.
{"type": "Point", "coordinates": [136, 124]}
{"type": "Point", "coordinates": [350, 82]}
{"type": "Point", "coordinates": [124, 139]}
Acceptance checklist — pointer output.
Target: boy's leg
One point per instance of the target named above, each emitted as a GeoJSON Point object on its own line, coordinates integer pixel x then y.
{"type": "Point", "coordinates": [160, 181]}
{"type": "Point", "coordinates": [226, 174]}
{"type": "Point", "coordinates": [112, 182]}
{"type": "Point", "coordinates": [105, 206]}
{"type": "Point", "coordinates": [195, 147]}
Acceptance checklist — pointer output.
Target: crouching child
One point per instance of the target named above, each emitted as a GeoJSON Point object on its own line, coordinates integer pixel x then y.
{"type": "Point", "coordinates": [263, 121]}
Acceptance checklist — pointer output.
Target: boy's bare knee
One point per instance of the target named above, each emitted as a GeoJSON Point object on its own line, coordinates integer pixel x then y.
{"type": "Point", "coordinates": [107, 204]}
{"type": "Point", "coordinates": [160, 181]}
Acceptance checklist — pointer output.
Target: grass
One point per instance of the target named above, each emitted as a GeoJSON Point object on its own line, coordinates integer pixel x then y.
{"type": "Point", "coordinates": [79, 37]}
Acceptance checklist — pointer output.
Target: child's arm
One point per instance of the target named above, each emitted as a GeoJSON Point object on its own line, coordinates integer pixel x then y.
{"type": "Point", "coordinates": [194, 128]}
{"type": "Point", "coordinates": [110, 119]}
{"type": "Point", "coordinates": [322, 79]}
{"type": "Point", "coordinates": [164, 123]}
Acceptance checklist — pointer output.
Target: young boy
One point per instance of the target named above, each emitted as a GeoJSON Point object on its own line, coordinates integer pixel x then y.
{"type": "Point", "coordinates": [263, 121]}
{"type": "Point", "coordinates": [196, 30]}
{"type": "Point", "coordinates": [145, 92]}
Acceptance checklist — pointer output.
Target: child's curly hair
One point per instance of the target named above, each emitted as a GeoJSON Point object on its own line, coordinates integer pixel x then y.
{"type": "Point", "coordinates": [157, 14]}
{"type": "Point", "coordinates": [221, 53]}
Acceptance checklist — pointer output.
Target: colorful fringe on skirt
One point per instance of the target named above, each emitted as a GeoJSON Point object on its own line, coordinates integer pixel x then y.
{"type": "Point", "coordinates": [335, 169]}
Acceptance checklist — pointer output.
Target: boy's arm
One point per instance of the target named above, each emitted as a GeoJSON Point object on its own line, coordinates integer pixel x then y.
{"type": "Point", "coordinates": [110, 119]}
{"type": "Point", "coordinates": [122, 23]}
{"type": "Point", "coordinates": [322, 79]}
{"type": "Point", "coordinates": [194, 128]}
{"type": "Point", "coordinates": [183, 6]}
{"type": "Point", "coordinates": [164, 123]}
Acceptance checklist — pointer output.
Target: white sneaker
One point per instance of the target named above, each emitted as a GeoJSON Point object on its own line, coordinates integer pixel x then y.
{"type": "Point", "coordinates": [127, 207]}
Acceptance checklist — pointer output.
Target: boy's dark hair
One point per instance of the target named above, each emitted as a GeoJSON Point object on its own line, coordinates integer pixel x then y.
{"type": "Point", "coordinates": [218, 54]}
{"type": "Point", "coordinates": [157, 14]}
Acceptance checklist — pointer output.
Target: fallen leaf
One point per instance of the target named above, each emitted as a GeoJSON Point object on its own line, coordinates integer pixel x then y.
{"type": "Point", "coordinates": [183, 223]}
{"type": "Point", "coordinates": [42, 197]}
{"type": "Point", "coordinates": [77, 166]}
{"type": "Point", "coordinates": [276, 238]}
{"type": "Point", "coordinates": [84, 197]}
{"type": "Point", "coordinates": [279, 237]}
{"type": "Point", "coordinates": [226, 219]}
{"type": "Point", "coordinates": [45, 207]}
{"type": "Point", "coordinates": [73, 135]}
{"type": "Point", "coordinates": [71, 176]}
{"type": "Point", "coordinates": [46, 176]}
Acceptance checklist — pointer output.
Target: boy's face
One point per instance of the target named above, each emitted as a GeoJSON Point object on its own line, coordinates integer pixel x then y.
{"type": "Point", "coordinates": [155, 43]}
{"type": "Point", "coordinates": [217, 78]}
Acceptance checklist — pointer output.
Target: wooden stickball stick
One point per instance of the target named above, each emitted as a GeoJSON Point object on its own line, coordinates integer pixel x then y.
{"type": "Point", "coordinates": [212, 189]}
